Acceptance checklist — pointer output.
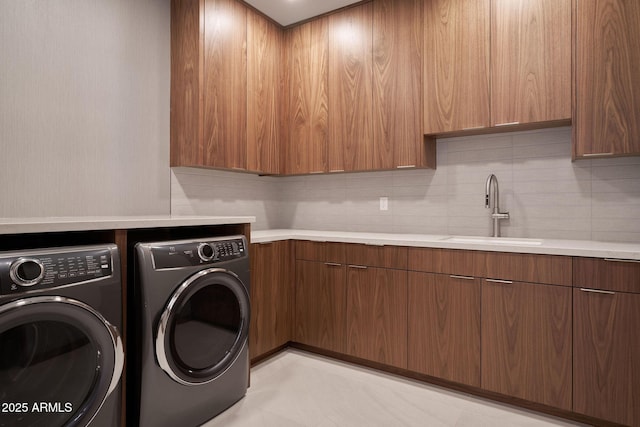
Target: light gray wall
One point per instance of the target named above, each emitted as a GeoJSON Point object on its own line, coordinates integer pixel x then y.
{"type": "Point", "coordinates": [84, 107]}
{"type": "Point", "coordinates": [546, 194]}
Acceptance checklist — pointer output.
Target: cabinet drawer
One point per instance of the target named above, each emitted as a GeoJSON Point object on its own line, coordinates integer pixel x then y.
{"type": "Point", "coordinates": [320, 251]}
{"type": "Point", "coordinates": [377, 256]}
{"type": "Point", "coordinates": [447, 261]}
{"type": "Point", "coordinates": [551, 269]}
{"type": "Point", "coordinates": [609, 274]}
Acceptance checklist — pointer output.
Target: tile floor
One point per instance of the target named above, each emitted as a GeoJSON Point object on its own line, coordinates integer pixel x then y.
{"type": "Point", "coordinates": [296, 388]}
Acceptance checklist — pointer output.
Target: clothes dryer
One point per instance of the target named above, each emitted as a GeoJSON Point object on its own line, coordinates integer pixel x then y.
{"type": "Point", "coordinates": [190, 317]}
{"type": "Point", "coordinates": [61, 354]}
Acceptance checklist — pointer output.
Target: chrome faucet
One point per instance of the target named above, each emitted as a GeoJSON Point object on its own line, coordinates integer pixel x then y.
{"type": "Point", "coordinates": [496, 215]}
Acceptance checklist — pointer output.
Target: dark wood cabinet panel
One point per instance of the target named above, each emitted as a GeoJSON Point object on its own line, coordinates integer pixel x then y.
{"type": "Point", "coordinates": [397, 84]}
{"type": "Point", "coordinates": [444, 327]}
{"type": "Point", "coordinates": [320, 318]}
{"type": "Point", "coordinates": [526, 342]}
{"type": "Point", "coordinates": [307, 65]}
{"type": "Point", "coordinates": [456, 65]}
{"type": "Point", "coordinates": [320, 251]}
{"type": "Point", "coordinates": [606, 356]}
{"type": "Point", "coordinates": [377, 315]}
{"type": "Point", "coordinates": [551, 269]}
{"type": "Point", "coordinates": [609, 274]}
{"type": "Point", "coordinates": [272, 297]}
{"type": "Point", "coordinates": [187, 69]}
{"type": "Point", "coordinates": [264, 84]}
{"type": "Point", "coordinates": [530, 61]}
{"type": "Point", "coordinates": [607, 60]}
{"type": "Point", "coordinates": [447, 261]}
{"type": "Point", "coordinates": [225, 84]}
{"type": "Point", "coordinates": [376, 256]}
{"type": "Point", "coordinates": [350, 87]}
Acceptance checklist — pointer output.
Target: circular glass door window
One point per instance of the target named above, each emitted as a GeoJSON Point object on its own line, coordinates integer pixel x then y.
{"type": "Point", "coordinates": [56, 365]}
{"type": "Point", "coordinates": [204, 327]}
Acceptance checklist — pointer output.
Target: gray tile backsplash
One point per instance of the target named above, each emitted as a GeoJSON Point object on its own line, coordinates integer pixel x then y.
{"type": "Point", "coordinates": [546, 194]}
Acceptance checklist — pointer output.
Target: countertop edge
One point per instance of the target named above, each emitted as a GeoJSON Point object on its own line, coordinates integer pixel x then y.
{"type": "Point", "coordinates": [64, 224]}
{"type": "Point", "coordinates": [583, 248]}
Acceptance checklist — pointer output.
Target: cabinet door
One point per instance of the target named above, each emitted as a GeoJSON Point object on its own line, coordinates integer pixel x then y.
{"type": "Point", "coordinates": [607, 109]}
{"type": "Point", "coordinates": [530, 61]}
{"type": "Point", "coordinates": [456, 65]}
{"type": "Point", "coordinates": [320, 305]}
{"type": "Point", "coordinates": [444, 327]}
{"type": "Point", "coordinates": [606, 356]}
{"type": "Point", "coordinates": [397, 84]}
{"type": "Point", "coordinates": [377, 315]}
{"type": "Point", "coordinates": [263, 93]}
{"type": "Point", "coordinates": [350, 85]}
{"type": "Point", "coordinates": [225, 84]}
{"type": "Point", "coordinates": [271, 297]}
{"type": "Point", "coordinates": [186, 83]}
{"type": "Point", "coordinates": [307, 63]}
{"type": "Point", "coordinates": [526, 341]}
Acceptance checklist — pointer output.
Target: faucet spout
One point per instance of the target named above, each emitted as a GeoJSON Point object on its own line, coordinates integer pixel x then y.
{"type": "Point", "coordinates": [496, 215]}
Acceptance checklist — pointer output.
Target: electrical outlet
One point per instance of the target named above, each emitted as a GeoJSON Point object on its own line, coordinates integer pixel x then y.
{"type": "Point", "coordinates": [384, 203]}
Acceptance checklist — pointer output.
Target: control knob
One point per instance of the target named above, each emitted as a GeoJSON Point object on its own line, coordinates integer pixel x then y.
{"type": "Point", "coordinates": [206, 252]}
{"type": "Point", "coordinates": [26, 271]}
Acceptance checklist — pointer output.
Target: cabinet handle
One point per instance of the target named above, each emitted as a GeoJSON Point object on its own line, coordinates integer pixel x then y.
{"type": "Point", "coordinates": [632, 261]}
{"type": "Point", "coordinates": [361, 267]}
{"type": "Point", "coordinates": [597, 154]}
{"type": "Point", "coordinates": [508, 124]}
{"type": "Point", "coordinates": [336, 170]}
{"type": "Point", "coordinates": [315, 172]}
{"type": "Point", "coordinates": [596, 291]}
{"type": "Point", "coordinates": [453, 276]}
{"type": "Point", "coordinates": [332, 264]}
{"type": "Point", "coordinates": [474, 128]}
{"type": "Point", "coordinates": [405, 167]}
{"type": "Point", "coordinates": [264, 243]}
{"type": "Point", "coordinates": [504, 282]}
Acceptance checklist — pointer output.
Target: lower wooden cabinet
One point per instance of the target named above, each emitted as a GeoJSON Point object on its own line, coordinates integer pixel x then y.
{"type": "Point", "coordinates": [271, 297]}
{"type": "Point", "coordinates": [606, 355]}
{"type": "Point", "coordinates": [526, 341]}
{"type": "Point", "coordinates": [377, 314]}
{"type": "Point", "coordinates": [444, 327]}
{"type": "Point", "coordinates": [320, 305]}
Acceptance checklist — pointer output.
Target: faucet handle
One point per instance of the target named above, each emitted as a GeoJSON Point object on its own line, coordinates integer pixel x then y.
{"type": "Point", "coordinates": [500, 215]}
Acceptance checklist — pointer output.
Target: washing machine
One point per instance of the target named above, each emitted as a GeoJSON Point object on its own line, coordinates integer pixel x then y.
{"type": "Point", "coordinates": [61, 353]}
{"type": "Point", "coordinates": [190, 317]}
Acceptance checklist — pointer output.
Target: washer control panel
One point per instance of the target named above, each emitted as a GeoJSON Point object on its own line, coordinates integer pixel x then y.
{"type": "Point", "coordinates": [32, 270]}
{"type": "Point", "coordinates": [199, 252]}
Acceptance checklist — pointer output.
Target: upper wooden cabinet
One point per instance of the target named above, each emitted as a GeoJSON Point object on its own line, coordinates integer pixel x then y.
{"type": "Point", "coordinates": [496, 62]}
{"type": "Point", "coordinates": [456, 65]}
{"type": "Point", "coordinates": [397, 86]}
{"type": "Point", "coordinates": [607, 59]}
{"type": "Point", "coordinates": [530, 61]}
{"type": "Point", "coordinates": [224, 80]}
{"type": "Point", "coordinates": [351, 144]}
{"type": "Point", "coordinates": [306, 130]}
{"type": "Point", "coordinates": [265, 83]}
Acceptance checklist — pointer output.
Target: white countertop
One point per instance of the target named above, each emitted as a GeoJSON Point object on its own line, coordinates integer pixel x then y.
{"type": "Point", "coordinates": [55, 224]}
{"type": "Point", "coordinates": [585, 248]}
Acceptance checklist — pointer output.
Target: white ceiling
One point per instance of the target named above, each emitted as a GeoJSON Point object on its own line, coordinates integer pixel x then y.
{"type": "Point", "coordinates": [287, 12]}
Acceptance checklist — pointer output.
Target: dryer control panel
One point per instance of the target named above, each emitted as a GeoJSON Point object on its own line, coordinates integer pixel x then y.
{"type": "Point", "coordinates": [198, 252]}
{"type": "Point", "coordinates": [34, 270]}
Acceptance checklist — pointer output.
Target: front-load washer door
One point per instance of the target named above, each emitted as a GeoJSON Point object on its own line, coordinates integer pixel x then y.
{"type": "Point", "coordinates": [204, 327]}
{"type": "Point", "coordinates": [59, 361]}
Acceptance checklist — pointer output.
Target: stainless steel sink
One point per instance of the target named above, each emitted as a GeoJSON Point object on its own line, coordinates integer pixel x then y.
{"type": "Point", "coordinates": [493, 240]}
